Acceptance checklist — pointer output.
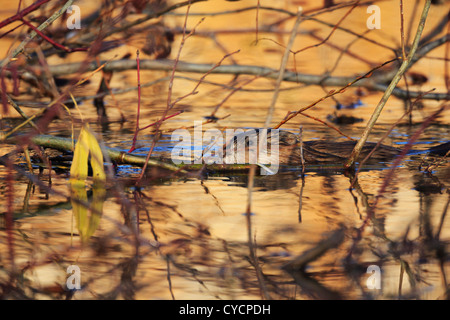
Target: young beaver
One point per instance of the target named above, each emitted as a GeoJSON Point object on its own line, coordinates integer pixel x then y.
{"type": "Point", "coordinates": [322, 151]}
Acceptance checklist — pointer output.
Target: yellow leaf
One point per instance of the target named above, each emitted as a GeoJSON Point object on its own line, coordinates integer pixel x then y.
{"type": "Point", "coordinates": [87, 148]}
{"type": "Point", "coordinates": [79, 167]}
{"type": "Point", "coordinates": [98, 171]}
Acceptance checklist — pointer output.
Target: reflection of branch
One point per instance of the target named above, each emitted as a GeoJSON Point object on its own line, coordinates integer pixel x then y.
{"type": "Point", "coordinates": [296, 267]}
{"type": "Point", "coordinates": [343, 51]}
{"type": "Point", "coordinates": [429, 46]}
{"type": "Point", "coordinates": [436, 30]}
{"type": "Point", "coordinates": [349, 31]}
{"type": "Point", "coordinates": [301, 262]}
{"type": "Point", "coordinates": [390, 177]}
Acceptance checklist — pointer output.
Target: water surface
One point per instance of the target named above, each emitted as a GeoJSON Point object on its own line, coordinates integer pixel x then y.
{"type": "Point", "coordinates": [188, 237]}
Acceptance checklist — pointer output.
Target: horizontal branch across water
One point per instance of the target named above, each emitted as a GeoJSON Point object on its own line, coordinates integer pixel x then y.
{"type": "Point", "coordinates": [289, 76]}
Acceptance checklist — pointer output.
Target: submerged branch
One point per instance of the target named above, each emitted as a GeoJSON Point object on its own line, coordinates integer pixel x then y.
{"type": "Point", "coordinates": [121, 157]}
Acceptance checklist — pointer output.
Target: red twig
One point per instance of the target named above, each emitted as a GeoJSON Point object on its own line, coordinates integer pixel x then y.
{"type": "Point", "coordinates": [20, 15]}
{"type": "Point", "coordinates": [3, 93]}
{"type": "Point", "coordinates": [12, 30]}
{"type": "Point", "coordinates": [52, 42]}
{"type": "Point", "coordinates": [168, 117]}
{"type": "Point", "coordinates": [446, 60]}
{"type": "Point", "coordinates": [9, 214]}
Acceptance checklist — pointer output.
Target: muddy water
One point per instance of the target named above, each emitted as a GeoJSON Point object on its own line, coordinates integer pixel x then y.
{"type": "Point", "coordinates": [193, 233]}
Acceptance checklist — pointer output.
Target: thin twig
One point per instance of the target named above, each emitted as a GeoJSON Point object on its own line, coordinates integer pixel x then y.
{"type": "Point", "coordinates": [404, 66]}
{"type": "Point", "coordinates": [329, 126]}
{"type": "Point", "coordinates": [331, 93]}
{"type": "Point", "coordinates": [332, 30]}
{"type": "Point", "coordinates": [361, 164]}
{"type": "Point", "coordinates": [283, 68]}
{"type": "Point", "coordinates": [302, 160]}
{"type": "Point", "coordinates": [169, 95]}
{"type": "Point", "coordinates": [402, 31]}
